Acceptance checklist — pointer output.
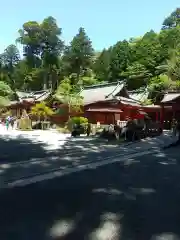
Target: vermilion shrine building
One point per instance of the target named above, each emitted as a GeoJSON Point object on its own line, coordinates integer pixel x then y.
{"type": "Point", "coordinates": [106, 103]}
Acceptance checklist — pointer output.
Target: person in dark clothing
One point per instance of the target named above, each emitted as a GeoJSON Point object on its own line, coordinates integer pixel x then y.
{"type": "Point", "coordinates": [88, 129]}
{"type": "Point", "coordinates": [12, 120]}
{"type": "Point", "coordinates": [178, 131]}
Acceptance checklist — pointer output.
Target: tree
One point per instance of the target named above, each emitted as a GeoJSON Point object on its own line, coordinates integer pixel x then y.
{"type": "Point", "coordinates": [120, 58]}
{"type": "Point", "coordinates": [137, 76]}
{"type": "Point", "coordinates": [42, 48]}
{"type": "Point", "coordinates": [172, 66]}
{"type": "Point", "coordinates": [102, 65]}
{"type": "Point", "coordinates": [41, 110]}
{"type": "Point", "coordinates": [169, 40]}
{"type": "Point", "coordinates": [31, 39]}
{"type": "Point", "coordinates": [52, 48]}
{"type": "Point", "coordinates": [5, 94]}
{"type": "Point", "coordinates": [68, 95]}
{"type": "Point", "coordinates": [173, 20]}
{"type": "Point", "coordinates": [10, 58]}
{"type": "Point", "coordinates": [147, 51]}
{"type": "Point", "coordinates": [47, 61]}
{"type": "Point", "coordinates": [157, 86]}
{"type": "Point", "coordinates": [78, 55]}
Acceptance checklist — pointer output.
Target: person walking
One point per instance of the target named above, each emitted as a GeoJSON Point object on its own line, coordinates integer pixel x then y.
{"type": "Point", "coordinates": [7, 122]}
{"type": "Point", "coordinates": [178, 131]}
{"type": "Point", "coordinates": [174, 127]}
{"type": "Point", "coordinates": [88, 129]}
{"type": "Point", "coordinates": [12, 120]}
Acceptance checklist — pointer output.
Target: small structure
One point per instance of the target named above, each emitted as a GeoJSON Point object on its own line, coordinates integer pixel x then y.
{"type": "Point", "coordinates": [27, 100]}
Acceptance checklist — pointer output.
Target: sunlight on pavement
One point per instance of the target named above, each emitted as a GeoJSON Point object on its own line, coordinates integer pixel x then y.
{"type": "Point", "coordinates": [109, 228]}
{"type": "Point", "coordinates": [61, 228]}
{"type": "Point", "coordinates": [51, 140]}
{"type": "Point", "coordinates": [165, 236]}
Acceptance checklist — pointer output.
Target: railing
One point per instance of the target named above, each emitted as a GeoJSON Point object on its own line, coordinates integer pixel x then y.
{"type": "Point", "coordinates": [122, 124]}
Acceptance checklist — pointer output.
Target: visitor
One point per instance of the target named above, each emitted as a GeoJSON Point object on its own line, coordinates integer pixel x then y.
{"type": "Point", "coordinates": [12, 120]}
{"type": "Point", "coordinates": [178, 131]}
{"type": "Point", "coordinates": [7, 122]}
{"type": "Point", "coordinates": [88, 129]}
{"type": "Point", "coordinates": [174, 127]}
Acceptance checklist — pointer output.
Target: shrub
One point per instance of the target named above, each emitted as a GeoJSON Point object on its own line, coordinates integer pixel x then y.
{"type": "Point", "coordinates": [79, 121]}
{"type": "Point", "coordinates": [41, 110]}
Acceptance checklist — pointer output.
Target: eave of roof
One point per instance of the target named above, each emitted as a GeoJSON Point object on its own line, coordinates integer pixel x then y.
{"type": "Point", "coordinates": [128, 101]}
{"type": "Point", "coordinates": [170, 97]}
{"type": "Point", "coordinates": [36, 96]}
{"type": "Point", "coordinates": [151, 106]}
{"type": "Point", "coordinates": [139, 95]}
{"type": "Point", "coordinates": [105, 110]}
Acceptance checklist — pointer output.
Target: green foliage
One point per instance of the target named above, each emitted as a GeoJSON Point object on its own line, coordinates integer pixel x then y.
{"type": "Point", "coordinates": [69, 95]}
{"type": "Point", "coordinates": [158, 85]}
{"type": "Point", "coordinates": [41, 110]}
{"type": "Point", "coordinates": [101, 65]}
{"type": "Point", "coordinates": [120, 56]}
{"type": "Point", "coordinates": [147, 102]}
{"type": "Point", "coordinates": [47, 63]}
{"type": "Point", "coordinates": [78, 55]}
{"type": "Point", "coordinates": [173, 20]}
{"type": "Point", "coordinates": [5, 90]}
{"type": "Point", "coordinates": [137, 75]}
{"type": "Point", "coordinates": [5, 94]}
{"type": "Point", "coordinates": [79, 120]}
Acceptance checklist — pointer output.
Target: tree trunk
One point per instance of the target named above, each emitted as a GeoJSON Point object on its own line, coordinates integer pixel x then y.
{"type": "Point", "coordinates": [45, 81]}
{"type": "Point", "coordinates": [69, 111]}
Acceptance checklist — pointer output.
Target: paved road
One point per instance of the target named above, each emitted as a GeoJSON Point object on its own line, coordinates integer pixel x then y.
{"type": "Point", "coordinates": [25, 154]}
{"type": "Point", "coordinates": [134, 199]}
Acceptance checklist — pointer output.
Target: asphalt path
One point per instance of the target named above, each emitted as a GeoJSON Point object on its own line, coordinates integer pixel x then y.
{"type": "Point", "coordinates": [24, 155]}
{"type": "Point", "coordinates": [137, 198]}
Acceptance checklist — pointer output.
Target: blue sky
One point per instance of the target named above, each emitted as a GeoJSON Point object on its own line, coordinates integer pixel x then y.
{"type": "Point", "coordinates": [106, 22]}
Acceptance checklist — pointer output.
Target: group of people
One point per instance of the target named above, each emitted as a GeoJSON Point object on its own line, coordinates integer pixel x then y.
{"type": "Point", "coordinates": [8, 121]}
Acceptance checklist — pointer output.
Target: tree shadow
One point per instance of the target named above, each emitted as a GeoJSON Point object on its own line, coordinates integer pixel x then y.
{"type": "Point", "coordinates": [137, 198]}
{"type": "Point", "coordinates": [23, 157]}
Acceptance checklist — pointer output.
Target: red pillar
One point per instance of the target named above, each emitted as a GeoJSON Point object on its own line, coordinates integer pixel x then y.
{"type": "Point", "coordinates": [157, 116]}
{"type": "Point", "coordinates": [162, 116]}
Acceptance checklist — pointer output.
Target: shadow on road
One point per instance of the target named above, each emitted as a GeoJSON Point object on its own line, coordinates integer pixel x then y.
{"type": "Point", "coordinates": [137, 199]}
{"type": "Point", "coordinates": [21, 157]}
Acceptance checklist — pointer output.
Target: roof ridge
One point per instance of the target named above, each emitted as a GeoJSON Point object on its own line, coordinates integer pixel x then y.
{"type": "Point", "coordinates": [101, 85]}
{"type": "Point", "coordinates": [142, 89]}
{"type": "Point", "coordinates": [115, 89]}
{"type": "Point", "coordinates": [172, 91]}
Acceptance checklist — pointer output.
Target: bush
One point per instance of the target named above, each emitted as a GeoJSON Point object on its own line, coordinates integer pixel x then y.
{"type": "Point", "coordinates": [80, 121]}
